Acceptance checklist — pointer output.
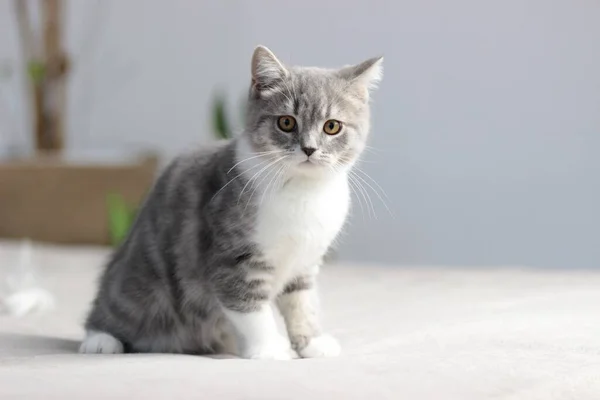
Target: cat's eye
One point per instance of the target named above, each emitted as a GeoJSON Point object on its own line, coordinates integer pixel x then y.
{"type": "Point", "coordinates": [286, 123]}
{"type": "Point", "coordinates": [332, 127]}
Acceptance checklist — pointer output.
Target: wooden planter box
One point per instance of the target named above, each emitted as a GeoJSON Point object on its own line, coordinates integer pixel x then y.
{"type": "Point", "coordinates": [49, 200]}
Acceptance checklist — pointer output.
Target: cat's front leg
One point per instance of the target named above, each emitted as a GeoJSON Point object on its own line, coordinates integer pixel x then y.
{"type": "Point", "coordinates": [246, 303]}
{"type": "Point", "coordinates": [298, 305]}
{"type": "Point", "coordinates": [257, 334]}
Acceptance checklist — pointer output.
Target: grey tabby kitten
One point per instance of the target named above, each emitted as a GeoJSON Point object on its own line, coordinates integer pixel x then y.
{"type": "Point", "coordinates": [230, 232]}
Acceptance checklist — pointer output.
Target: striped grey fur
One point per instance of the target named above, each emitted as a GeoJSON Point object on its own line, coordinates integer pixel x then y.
{"type": "Point", "coordinates": [190, 252]}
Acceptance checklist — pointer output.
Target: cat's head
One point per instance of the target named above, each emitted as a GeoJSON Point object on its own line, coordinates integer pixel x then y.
{"type": "Point", "coordinates": [312, 120]}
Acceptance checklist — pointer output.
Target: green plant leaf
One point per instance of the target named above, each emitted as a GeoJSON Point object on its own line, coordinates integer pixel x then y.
{"type": "Point", "coordinates": [220, 123]}
{"type": "Point", "coordinates": [36, 71]}
{"type": "Point", "coordinates": [119, 218]}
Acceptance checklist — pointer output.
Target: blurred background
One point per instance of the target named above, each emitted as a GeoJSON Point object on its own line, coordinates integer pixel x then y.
{"type": "Point", "coordinates": [486, 127]}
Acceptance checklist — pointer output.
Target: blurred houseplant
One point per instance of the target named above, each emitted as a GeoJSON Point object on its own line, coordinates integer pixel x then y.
{"type": "Point", "coordinates": [121, 214]}
{"type": "Point", "coordinates": [46, 197]}
{"type": "Point", "coordinates": [47, 67]}
{"type": "Point", "coordinates": [221, 124]}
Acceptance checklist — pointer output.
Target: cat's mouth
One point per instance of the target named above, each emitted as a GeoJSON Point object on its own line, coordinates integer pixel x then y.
{"type": "Point", "coordinates": [308, 163]}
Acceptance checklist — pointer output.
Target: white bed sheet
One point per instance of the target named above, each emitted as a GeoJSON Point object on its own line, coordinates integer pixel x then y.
{"type": "Point", "coordinates": [407, 333]}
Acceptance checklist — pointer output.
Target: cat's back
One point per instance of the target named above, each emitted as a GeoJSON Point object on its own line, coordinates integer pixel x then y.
{"type": "Point", "coordinates": [192, 177]}
{"type": "Point", "coordinates": [200, 163]}
{"type": "Point", "coordinates": [171, 208]}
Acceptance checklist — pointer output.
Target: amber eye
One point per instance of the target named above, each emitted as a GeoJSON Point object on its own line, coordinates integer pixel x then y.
{"type": "Point", "coordinates": [332, 127]}
{"type": "Point", "coordinates": [286, 123]}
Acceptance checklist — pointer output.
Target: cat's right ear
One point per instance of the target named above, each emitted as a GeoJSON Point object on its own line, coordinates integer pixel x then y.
{"type": "Point", "coordinates": [267, 70]}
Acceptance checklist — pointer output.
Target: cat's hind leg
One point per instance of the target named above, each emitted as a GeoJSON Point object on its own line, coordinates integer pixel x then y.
{"type": "Point", "coordinates": [96, 342]}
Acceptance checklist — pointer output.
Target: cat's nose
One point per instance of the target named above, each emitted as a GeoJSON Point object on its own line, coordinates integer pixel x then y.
{"type": "Point", "coordinates": [308, 150]}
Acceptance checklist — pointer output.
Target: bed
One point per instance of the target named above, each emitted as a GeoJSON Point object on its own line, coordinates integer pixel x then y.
{"type": "Point", "coordinates": [407, 333]}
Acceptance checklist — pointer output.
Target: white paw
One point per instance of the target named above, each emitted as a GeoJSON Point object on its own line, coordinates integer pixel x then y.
{"type": "Point", "coordinates": [321, 346]}
{"type": "Point", "coordinates": [276, 349]}
{"type": "Point", "coordinates": [100, 343]}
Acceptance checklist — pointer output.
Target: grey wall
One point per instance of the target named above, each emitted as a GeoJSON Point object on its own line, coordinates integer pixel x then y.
{"type": "Point", "coordinates": [486, 127]}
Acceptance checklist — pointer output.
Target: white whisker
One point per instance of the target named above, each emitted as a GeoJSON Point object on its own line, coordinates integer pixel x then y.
{"type": "Point", "coordinates": [255, 156]}
{"type": "Point", "coordinates": [280, 179]}
{"type": "Point", "coordinates": [375, 191]}
{"type": "Point", "coordinates": [237, 176]}
{"type": "Point", "coordinates": [256, 183]}
{"type": "Point", "coordinates": [372, 149]}
{"type": "Point", "coordinates": [286, 96]}
{"type": "Point", "coordinates": [271, 182]}
{"type": "Point", "coordinates": [352, 186]}
{"type": "Point", "coordinates": [358, 199]}
{"type": "Point", "coordinates": [257, 175]}
{"type": "Point", "coordinates": [372, 180]}
{"type": "Point", "coordinates": [366, 197]}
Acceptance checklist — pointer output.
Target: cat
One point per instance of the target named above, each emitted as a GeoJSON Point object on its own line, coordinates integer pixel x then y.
{"type": "Point", "coordinates": [229, 232]}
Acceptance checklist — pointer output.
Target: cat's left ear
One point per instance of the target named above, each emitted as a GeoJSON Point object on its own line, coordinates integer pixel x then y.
{"type": "Point", "coordinates": [365, 75]}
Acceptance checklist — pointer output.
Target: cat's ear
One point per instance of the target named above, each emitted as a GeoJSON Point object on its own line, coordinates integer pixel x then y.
{"type": "Point", "coordinates": [267, 70]}
{"type": "Point", "coordinates": [365, 75]}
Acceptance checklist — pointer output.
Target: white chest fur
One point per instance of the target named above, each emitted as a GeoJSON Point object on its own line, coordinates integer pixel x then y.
{"type": "Point", "coordinates": [297, 224]}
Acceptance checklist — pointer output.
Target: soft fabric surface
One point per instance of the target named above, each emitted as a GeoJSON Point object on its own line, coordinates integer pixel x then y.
{"type": "Point", "coordinates": [407, 333]}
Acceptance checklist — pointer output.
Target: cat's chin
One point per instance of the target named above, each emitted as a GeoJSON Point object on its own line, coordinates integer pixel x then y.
{"type": "Point", "coordinates": [309, 164]}
{"type": "Point", "coordinates": [312, 169]}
